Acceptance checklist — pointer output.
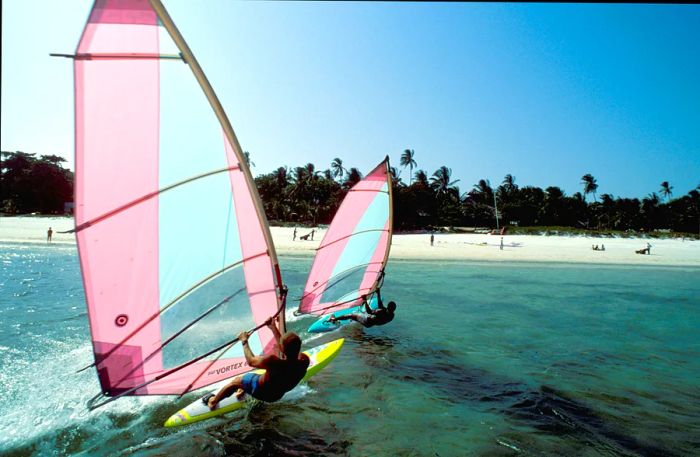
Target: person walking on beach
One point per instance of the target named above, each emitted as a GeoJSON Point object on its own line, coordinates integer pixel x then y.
{"type": "Point", "coordinates": [501, 243]}
{"type": "Point", "coordinates": [371, 317]}
{"type": "Point", "coordinates": [648, 249]}
{"type": "Point", "coordinates": [281, 375]}
{"type": "Point", "coordinates": [312, 234]}
{"type": "Point", "coordinates": [432, 238]}
{"type": "Point", "coordinates": [49, 233]}
{"type": "Point", "coordinates": [294, 237]}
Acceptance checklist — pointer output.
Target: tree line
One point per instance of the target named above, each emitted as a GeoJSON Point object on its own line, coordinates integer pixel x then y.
{"type": "Point", "coordinates": [29, 184]}
{"type": "Point", "coordinates": [304, 194]}
{"type": "Point", "coordinates": [307, 195]}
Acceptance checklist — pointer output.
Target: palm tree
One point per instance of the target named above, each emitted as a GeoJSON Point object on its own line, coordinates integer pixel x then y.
{"type": "Point", "coordinates": [666, 190]}
{"type": "Point", "coordinates": [482, 192]}
{"type": "Point", "coordinates": [440, 181]}
{"type": "Point", "coordinates": [338, 169]}
{"type": "Point", "coordinates": [354, 176]}
{"type": "Point", "coordinates": [509, 182]}
{"type": "Point", "coordinates": [311, 173]}
{"type": "Point", "coordinates": [422, 178]}
{"type": "Point", "coordinates": [694, 197]}
{"type": "Point", "coordinates": [554, 205]}
{"type": "Point", "coordinates": [395, 176]}
{"type": "Point", "coordinates": [281, 176]}
{"type": "Point", "coordinates": [554, 193]}
{"type": "Point", "coordinates": [652, 199]}
{"type": "Point", "coordinates": [606, 209]}
{"type": "Point", "coordinates": [589, 185]}
{"type": "Point", "coordinates": [299, 175]}
{"type": "Point", "coordinates": [407, 161]}
{"type": "Point", "coordinates": [650, 206]}
{"type": "Point", "coordinates": [248, 162]}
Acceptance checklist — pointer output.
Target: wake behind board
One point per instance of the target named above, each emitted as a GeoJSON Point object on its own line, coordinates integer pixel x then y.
{"type": "Point", "coordinates": [198, 411]}
{"type": "Point", "coordinates": [324, 325]}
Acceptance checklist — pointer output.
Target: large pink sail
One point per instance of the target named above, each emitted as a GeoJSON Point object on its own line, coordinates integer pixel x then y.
{"type": "Point", "coordinates": [175, 253]}
{"type": "Point", "coordinates": [355, 248]}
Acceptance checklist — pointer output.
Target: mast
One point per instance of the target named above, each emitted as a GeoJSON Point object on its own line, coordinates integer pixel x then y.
{"type": "Point", "coordinates": [495, 209]}
{"type": "Point", "coordinates": [391, 217]}
{"type": "Point", "coordinates": [190, 59]}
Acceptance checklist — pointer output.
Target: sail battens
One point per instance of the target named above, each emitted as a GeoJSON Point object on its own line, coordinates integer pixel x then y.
{"type": "Point", "coordinates": [180, 332]}
{"type": "Point", "coordinates": [116, 56]}
{"type": "Point", "coordinates": [168, 305]}
{"type": "Point", "coordinates": [338, 278]}
{"type": "Point", "coordinates": [146, 197]}
{"type": "Point", "coordinates": [349, 303]}
{"type": "Point", "coordinates": [369, 190]}
{"type": "Point", "coordinates": [348, 236]}
{"type": "Point", "coordinates": [354, 250]}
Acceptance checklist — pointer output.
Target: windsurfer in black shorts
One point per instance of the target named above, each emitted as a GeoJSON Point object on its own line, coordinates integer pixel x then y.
{"type": "Point", "coordinates": [281, 375]}
{"type": "Point", "coordinates": [371, 317]}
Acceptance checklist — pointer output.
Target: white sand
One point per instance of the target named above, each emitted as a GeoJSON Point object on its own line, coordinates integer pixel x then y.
{"type": "Point", "coordinates": [518, 248]}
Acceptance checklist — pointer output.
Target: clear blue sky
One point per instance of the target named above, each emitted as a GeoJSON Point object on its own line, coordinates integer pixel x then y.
{"type": "Point", "coordinates": [545, 92]}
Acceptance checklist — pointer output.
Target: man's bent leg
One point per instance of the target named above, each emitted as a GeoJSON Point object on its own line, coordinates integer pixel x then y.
{"type": "Point", "coordinates": [234, 386]}
{"type": "Point", "coordinates": [354, 317]}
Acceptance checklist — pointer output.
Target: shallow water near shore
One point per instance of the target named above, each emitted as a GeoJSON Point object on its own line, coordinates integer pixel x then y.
{"type": "Point", "coordinates": [482, 359]}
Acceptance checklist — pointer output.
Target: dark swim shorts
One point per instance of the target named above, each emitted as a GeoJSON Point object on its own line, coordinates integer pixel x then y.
{"type": "Point", "coordinates": [250, 383]}
{"type": "Point", "coordinates": [365, 320]}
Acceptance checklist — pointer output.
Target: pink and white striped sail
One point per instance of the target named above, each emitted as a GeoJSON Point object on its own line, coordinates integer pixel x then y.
{"type": "Point", "coordinates": [355, 248]}
{"type": "Point", "coordinates": [173, 253]}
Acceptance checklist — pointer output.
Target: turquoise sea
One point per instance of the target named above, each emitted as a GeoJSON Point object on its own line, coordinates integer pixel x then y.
{"type": "Point", "coordinates": [482, 359]}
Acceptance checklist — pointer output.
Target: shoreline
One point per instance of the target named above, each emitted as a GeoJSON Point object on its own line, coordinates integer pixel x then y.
{"type": "Point", "coordinates": [564, 249]}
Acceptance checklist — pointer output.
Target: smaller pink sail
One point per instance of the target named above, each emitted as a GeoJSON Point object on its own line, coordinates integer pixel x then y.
{"type": "Point", "coordinates": [355, 248]}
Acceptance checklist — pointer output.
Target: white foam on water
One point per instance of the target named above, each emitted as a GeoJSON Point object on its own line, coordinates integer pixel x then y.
{"type": "Point", "coordinates": [300, 391]}
{"type": "Point", "coordinates": [43, 393]}
{"type": "Point", "coordinates": [312, 337]}
{"type": "Point", "coordinates": [508, 445]}
{"type": "Point", "coordinates": [289, 315]}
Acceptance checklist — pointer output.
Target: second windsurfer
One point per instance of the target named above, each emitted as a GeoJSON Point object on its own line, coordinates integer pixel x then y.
{"type": "Point", "coordinates": [379, 316]}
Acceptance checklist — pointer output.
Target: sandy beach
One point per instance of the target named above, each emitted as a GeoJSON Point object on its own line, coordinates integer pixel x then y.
{"type": "Point", "coordinates": [474, 247]}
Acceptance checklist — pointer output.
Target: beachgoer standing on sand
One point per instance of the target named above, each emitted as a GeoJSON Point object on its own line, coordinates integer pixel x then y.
{"type": "Point", "coordinates": [648, 248]}
{"type": "Point", "coordinates": [48, 235]}
{"type": "Point", "coordinates": [432, 238]}
{"type": "Point", "coordinates": [295, 234]}
{"type": "Point", "coordinates": [501, 243]}
{"type": "Point", "coordinates": [312, 234]}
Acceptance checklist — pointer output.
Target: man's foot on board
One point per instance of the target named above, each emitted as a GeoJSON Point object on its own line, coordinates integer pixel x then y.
{"type": "Point", "coordinates": [209, 401]}
{"type": "Point", "coordinates": [332, 320]}
{"type": "Point", "coordinates": [240, 394]}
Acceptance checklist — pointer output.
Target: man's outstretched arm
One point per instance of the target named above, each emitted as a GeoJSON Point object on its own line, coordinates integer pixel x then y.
{"type": "Point", "coordinates": [253, 360]}
{"type": "Point", "coordinates": [365, 302]}
{"type": "Point", "coordinates": [380, 304]}
{"type": "Point", "coordinates": [275, 331]}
